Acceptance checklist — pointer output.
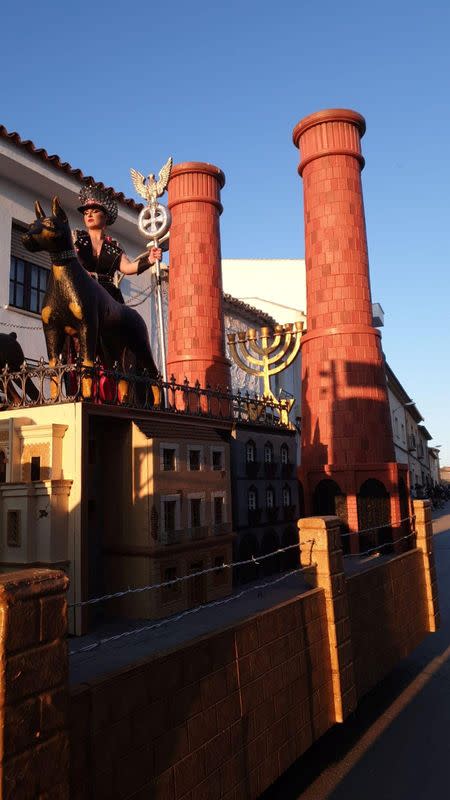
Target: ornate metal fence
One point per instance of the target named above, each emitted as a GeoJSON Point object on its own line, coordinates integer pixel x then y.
{"type": "Point", "coordinates": [40, 384]}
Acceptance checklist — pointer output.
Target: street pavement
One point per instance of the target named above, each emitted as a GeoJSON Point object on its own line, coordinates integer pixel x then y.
{"type": "Point", "coordinates": [397, 744]}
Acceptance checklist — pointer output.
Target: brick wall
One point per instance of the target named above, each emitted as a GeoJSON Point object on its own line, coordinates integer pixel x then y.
{"type": "Point", "coordinates": [223, 717]}
{"type": "Point", "coordinates": [388, 616]}
{"type": "Point", "coordinates": [34, 749]}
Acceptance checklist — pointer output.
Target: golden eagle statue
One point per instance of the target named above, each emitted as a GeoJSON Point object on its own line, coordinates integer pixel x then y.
{"type": "Point", "coordinates": [149, 187]}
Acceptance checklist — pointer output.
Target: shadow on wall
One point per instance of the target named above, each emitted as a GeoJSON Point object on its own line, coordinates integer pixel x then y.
{"type": "Point", "coordinates": [352, 428]}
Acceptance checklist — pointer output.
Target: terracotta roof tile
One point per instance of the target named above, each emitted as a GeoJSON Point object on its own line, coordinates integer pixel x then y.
{"type": "Point", "coordinates": [238, 305]}
{"type": "Point", "coordinates": [62, 166]}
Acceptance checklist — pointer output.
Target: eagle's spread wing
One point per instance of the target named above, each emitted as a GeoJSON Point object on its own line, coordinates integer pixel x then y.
{"type": "Point", "coordinates": [139, 182]}
{"type": "Point", "coordinates": [164, 175]}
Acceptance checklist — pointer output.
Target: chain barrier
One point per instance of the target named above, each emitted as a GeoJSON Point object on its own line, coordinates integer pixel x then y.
{"type": "Point", "coordinates": [189, 611]}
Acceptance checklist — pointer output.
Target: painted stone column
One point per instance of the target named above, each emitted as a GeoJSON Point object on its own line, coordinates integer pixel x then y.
{"type": "Point", "coordinates": [346, 424]}
{"type": "Point", "coordinates": [196, 340]}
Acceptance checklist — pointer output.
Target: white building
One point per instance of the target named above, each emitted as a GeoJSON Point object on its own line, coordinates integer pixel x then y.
{"type": "Point", "coordinates": [28, 174]}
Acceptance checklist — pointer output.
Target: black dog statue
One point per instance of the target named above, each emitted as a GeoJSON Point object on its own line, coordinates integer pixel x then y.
{"type": "Point", "coordinates": [76, 304]}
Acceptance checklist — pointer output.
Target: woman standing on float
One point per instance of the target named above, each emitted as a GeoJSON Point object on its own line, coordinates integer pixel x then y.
{"type": "Point", "coordinates": [99, 254]}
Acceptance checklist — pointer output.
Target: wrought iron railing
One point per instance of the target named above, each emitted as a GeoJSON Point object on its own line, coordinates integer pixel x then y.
{"type": "Point", "coordinates": [40, 384]}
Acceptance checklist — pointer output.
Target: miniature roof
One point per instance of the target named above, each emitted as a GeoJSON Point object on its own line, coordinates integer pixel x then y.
{"type": "Point", "coordinates": [239, 307]}
{"type": "Point", "coordinates": [62, 166]}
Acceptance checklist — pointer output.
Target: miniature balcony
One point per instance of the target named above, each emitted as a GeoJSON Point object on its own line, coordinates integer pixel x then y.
{"type": "Point", "coordinates": [38, 384]}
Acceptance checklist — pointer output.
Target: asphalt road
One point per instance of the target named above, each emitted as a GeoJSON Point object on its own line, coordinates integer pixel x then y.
{"type": "Point", "coordinates": [396, 746]}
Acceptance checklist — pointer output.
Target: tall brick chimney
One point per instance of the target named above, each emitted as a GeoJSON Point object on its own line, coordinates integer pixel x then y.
{"type": "Point", "coordinates": [346, 424]}
{"type": "Point", "coordinates": [196, 340]}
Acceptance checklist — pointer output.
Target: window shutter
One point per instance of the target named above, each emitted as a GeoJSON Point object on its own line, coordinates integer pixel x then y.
{"type": "Point", "coordinates": [19, 251]}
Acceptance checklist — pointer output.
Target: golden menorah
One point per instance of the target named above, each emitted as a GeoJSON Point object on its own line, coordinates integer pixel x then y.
{"type": "Point", "coordinates": [265, 353]}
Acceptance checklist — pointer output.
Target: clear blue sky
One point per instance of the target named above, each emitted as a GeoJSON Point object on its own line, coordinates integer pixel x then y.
{"type": "Point", "coordinates": [127, 84]}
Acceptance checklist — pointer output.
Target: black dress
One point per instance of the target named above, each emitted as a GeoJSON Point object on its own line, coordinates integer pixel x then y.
{"type": "Point", "coordinates": [105, 265]}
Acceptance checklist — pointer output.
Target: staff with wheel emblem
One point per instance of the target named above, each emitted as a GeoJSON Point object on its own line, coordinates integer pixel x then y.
{"type": "Point", "coordinates": [154, 223]}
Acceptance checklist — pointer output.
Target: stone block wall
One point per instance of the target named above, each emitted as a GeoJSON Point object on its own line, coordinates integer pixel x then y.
{"type": "Point", "coordinates": [221, 718]}
{"type": "Point", "coordinates": [388, 616]}
{"type": "Point", "coordinates": [33, 685]}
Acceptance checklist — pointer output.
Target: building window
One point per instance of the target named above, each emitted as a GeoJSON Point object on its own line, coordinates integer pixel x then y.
{"type": "Point", "coordinates": [252, 499]}
{"type": "Point", "coordinates": [27, 285]}
{"type": "Point", "coordinates": [2, 466]}
{"type": "Point", "coordinates": [270, 498]}
{"type": "Point", "coordinates": [284, 454]}
{"type": "Point", "coordinates": [195, 459]}
{"type": "Point", "coordinates": [196, 512]}
{"type": "Point", "coordinates": [250, 452]}
{"type": "Point", "coordinates": [168, 458]}
{"type": "Point", "coordinates": [170, 514]}
{"type": "Point", "coordinates": [35, 468]}
{"type": "Point", "coordinates": [218, 510]}
{"type": "Point", "coordinates": [13, 529]}
{"type": "Point", "coordinates": [217, 460]}
{"type": "Point", "coordinates": [286, 493]}
{"type": "Point", "coordinates": [268, 453]}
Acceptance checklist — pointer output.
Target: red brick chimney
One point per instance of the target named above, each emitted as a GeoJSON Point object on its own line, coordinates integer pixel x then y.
{"type": "Point", "coordinates": [346, 424]}
{"type": "Point", "coordinates": [196, 341]}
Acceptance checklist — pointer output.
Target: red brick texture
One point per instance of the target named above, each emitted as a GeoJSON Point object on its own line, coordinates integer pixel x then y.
{"type": "Point", "coordinates": [222, 717]}
{"type": "Point", "coordinates": [388, 612]}
{"type": "Point", "coordinates": [196, 342]}
{"type": "Point", "coordinates": [33, 685]}
{"type": "Point", "coordinates": [345, 411]}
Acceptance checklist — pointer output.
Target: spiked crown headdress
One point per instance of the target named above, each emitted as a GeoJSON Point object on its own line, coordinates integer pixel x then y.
{"type": "Point", "coordinates": [95, 194]}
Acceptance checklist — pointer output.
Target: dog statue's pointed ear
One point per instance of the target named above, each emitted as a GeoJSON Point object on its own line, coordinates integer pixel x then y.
{"type": "Point", "coordinates": [39, 210]}
{"type": "Point", "coordinates": [57, 211]}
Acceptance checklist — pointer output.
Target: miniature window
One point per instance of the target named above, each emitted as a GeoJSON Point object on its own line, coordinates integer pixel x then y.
{"type": "Point", "coordinates": [170, 514]}
{"type": "Point", "coordinates": [286, 496]}
{"type": "Point", "coordinates": [13, 529]}
{"type": "Point", "coordinates": [218, 510]}
{"type": "Point", "coordinates": [195, 459]}
{"type": "Point", "coordinates": [2, 466]}
{"type": "Point", "coordinates": [217, 460]}
{"type": "Point", "coordinates": [284, 454]}
{"type": "Point", "coordinates": [252, 499]}
{"type": "Point", "coordinates": [268, 453]}
{"type": "Point", "coordinates": [250, 452]}
{"type": "Point", "coordinates": [35, 468]}
{"type": "Point", "coordinates": [196, 512]}
{"type": "Point", "coordinates": [270, 498]}
{"type": "Point", "coordinates": [169, 459]}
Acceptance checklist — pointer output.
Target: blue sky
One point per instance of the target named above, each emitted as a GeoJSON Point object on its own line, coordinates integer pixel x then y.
{"type": "Point", "coordinates": [128, 84]}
